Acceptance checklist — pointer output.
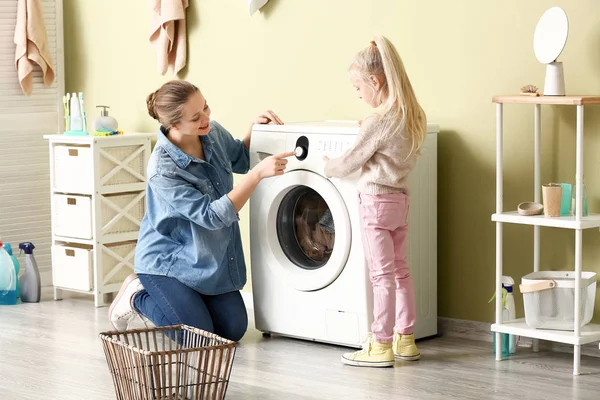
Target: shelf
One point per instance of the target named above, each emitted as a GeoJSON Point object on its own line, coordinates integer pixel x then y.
{"type": "Point", "coordinates": [589, 333]}
{"type": "Point", "coordinates": [68, 289]}
{"type": "Point", "coordinates": [556, 100]}
{"type": "Point", "coordinates": [568, 222]}
{"type": "Point", "coordinates": [105, 239]}
{"type": "Point", "coordinates": [92, 138]}
{"type": "Point", "coordinates": [107, 189]}
{"type": "Point", "coordinates": [65, 239]}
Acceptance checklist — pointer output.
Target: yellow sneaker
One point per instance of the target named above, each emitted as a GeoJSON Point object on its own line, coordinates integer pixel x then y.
{"type": "Point", "coordinates": [405, 347]}
{"type": "Point", "coordinates": [373, 354]}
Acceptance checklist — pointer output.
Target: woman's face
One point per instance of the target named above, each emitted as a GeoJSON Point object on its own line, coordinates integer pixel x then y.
{"type": "Point", "coordinates": [196, 116]}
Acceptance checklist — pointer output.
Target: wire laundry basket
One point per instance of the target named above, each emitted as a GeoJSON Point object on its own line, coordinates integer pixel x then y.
{"type": "Point", "coordinates": [168, 363]}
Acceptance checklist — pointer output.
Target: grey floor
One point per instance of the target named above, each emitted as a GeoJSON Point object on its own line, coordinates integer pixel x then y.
{"type": "Point", "coordinates": [51, 350]}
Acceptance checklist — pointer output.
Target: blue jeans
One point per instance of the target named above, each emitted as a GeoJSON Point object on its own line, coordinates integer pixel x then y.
{"type": "Point", "coordinates": [166, 301]}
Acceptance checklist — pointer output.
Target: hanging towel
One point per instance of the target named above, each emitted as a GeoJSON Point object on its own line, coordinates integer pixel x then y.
{"type": "Point", "coordinates": [168, 34]}
{"type": "Point", "coordinates": [31, 45]}
{"type": "Point", "coordinates": [255, 5]}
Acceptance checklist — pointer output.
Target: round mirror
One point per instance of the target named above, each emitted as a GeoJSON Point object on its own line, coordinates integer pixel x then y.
{"type": "Point", "coordinates": [550, 35]}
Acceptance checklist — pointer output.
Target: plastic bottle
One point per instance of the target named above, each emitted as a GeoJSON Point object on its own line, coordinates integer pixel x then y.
{"type": "Point", "coordinates": [76, 118]}
{"type": "Point", "coordinates": [509, 342]}
{"type": "Point", "coordinates": [8, 278]}
{"type": "Point", "coordinates": [104, 122]}
{"type": "Point", "coordinates": [508, 310]}
{"type": "Point", "coordinates": [584, 199]}
{"type": "Point", "coordinates": [15, 261]}
{"type": "Point", "coordinates": [30, 282]}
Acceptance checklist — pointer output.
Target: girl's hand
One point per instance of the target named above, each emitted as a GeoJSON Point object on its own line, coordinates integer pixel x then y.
{"type": "Point", "coordinates": [266, 117]}
{"type": "Point", "coordinates": [272, 165]}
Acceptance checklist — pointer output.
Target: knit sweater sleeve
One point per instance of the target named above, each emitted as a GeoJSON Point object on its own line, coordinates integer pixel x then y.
{"type": "Point", "coordinates": [355, 157]}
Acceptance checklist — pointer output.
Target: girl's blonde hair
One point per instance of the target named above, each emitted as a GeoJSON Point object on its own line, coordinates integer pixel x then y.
{"type": "Point", "coordinates": [399, 109]}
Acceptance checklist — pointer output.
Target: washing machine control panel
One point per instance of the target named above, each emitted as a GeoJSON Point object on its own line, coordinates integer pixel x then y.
{"type": "Point", "coordinates": [333, 146]}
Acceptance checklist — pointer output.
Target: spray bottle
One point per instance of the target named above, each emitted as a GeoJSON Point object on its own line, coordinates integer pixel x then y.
{"type": "Point", "coordinates": [509, 342]}
{"type": "Point", "coordinates": [30, 282]}
{"type": "Point", "coordinates": [8, 249]}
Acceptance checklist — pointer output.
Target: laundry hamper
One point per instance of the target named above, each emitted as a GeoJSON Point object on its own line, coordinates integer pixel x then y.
{"type": "Point", "coordinates": [549, 299]}
{"type": "Point", "coordinates": [173, 362]}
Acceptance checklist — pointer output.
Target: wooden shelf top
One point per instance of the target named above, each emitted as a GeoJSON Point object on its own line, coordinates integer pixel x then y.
{"type": "Point", "coordinates": [557, 100]}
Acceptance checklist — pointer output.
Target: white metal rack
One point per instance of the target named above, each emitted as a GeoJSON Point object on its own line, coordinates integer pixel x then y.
{"type": "Point", "coordinates": [98, 193]}
{"type": "Point", "coordinates": [581, 335]}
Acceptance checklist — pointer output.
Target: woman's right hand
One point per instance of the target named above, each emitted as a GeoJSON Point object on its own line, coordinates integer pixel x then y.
{"type": "Point", "coordinates": [272, 165]}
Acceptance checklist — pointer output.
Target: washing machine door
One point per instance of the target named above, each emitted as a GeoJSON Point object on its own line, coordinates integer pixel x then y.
{"type": "Point", "coordinates": [305, 229]}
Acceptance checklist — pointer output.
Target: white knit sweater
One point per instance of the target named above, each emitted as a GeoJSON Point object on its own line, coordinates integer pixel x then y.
{"type": "Point", "coordinates": [385, 163]}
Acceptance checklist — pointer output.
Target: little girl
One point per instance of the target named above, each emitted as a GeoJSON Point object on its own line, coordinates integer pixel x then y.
{"type": "Point", "coordinates": [386, 150]}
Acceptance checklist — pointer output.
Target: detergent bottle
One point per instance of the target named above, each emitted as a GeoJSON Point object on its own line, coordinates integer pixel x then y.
{"type": "Point", "coordinates": [8, 249]}
{"type": "Point", "coordinates": [30, 282]}
{"type": "Point", "coordinates": [509, 342]}
{"type": "Point", "coordinates": [8, 278]}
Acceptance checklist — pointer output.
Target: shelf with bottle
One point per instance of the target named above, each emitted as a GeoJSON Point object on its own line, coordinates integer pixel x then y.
{"type": "Point", "coordinates": [589, 333]}
{"type": "Point", "coordinates": [566, 222]}
{"type": "Point", "coordinates": [567, 218]}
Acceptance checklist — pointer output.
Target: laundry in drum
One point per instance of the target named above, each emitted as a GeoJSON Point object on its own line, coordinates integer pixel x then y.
{"type": "Point", "coordinates": [326, 221]}
{"type": "Point", "coordinates": [315, 230]}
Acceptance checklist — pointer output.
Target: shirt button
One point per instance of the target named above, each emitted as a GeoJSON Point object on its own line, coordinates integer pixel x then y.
{"type": "Point", "coordinates": [217, 183]}
{"type": "Point", "coordinates": [231, 258]}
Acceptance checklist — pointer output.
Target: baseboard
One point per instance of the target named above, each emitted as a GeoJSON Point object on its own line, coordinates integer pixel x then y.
{"type": "Point", "coordinates": [480, 331]}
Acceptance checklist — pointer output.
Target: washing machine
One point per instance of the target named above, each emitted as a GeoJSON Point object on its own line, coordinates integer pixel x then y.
{"type": "Point", "coordinates": [309, 278]}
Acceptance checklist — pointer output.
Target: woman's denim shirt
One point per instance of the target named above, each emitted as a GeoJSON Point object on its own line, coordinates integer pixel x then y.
{"type": "Point", "coordinates": [190, 230]}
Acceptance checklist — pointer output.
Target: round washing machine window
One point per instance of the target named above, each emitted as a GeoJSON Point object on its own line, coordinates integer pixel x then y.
{"type": "Point", "coordinates": [305, 228]}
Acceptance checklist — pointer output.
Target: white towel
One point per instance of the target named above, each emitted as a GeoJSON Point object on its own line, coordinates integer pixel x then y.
{"type": "Point", "coordinates": [31, 45]}
{"type": "Point", "coordinates": [168, 34]}
{"type": "Point", "coordinates": [255, 5]}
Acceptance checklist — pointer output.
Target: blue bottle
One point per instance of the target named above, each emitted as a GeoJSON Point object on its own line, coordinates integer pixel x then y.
{"type": "Point", "coordinates": [8, 278]}
{"type": "Point", "coordinates": [15, 261]}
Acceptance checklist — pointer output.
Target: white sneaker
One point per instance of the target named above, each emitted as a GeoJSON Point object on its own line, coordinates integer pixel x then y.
{"type": "Point", "coordinates": [121, 311]}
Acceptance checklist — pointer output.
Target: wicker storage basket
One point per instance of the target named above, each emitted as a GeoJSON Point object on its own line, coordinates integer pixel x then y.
{"type": "Point", "coordinates": [151, 364]}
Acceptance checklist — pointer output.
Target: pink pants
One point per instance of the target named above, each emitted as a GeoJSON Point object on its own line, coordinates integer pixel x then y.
{"type": "Point", "coordinates": [384, 227]}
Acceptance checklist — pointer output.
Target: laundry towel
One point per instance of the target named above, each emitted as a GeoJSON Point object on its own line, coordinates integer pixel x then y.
{"type": "Point", "coordinates": [31, 45]}
{"type": "Point", "coordinates": [168, 34]}
{"type": "Point", "coordinates": [255, 5]}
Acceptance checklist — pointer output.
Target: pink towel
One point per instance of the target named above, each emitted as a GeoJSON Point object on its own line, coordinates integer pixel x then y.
{"type": "Point", "coordinates": [168, 33]}
{"type": "Point", "coordinates": [30, 38]}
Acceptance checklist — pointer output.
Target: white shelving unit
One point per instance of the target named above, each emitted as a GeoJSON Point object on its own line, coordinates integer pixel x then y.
{"type": "Point", "coordinates": [581, 335]}
{"type": "Point", "coordinates": [98, 194]}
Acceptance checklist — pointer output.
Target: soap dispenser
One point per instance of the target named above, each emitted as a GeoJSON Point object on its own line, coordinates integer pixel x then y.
{"type": "Point", "coordinates": [104, 122]}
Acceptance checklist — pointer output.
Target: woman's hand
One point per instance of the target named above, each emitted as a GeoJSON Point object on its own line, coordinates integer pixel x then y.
{"type": "Point", "coordinates": [266, 117]}
{"type": "Point", "coordinates": [262, 118]}
{"type": "Point", "coordinates": [272, 165]}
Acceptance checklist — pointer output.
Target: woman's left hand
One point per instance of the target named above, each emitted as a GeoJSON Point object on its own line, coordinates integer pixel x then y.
{"type": "Point", "coordinates": [262, 118]}
{"type": "Point", "coordinates": [266, 117]}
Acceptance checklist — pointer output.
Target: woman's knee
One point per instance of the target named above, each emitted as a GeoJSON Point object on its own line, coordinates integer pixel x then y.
{"type": "Point", "coordinates": [234, 327]}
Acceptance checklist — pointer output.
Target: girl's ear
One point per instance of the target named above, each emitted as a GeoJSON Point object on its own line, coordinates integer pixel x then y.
{"type": "Point", "coordinates": [375, 81]}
